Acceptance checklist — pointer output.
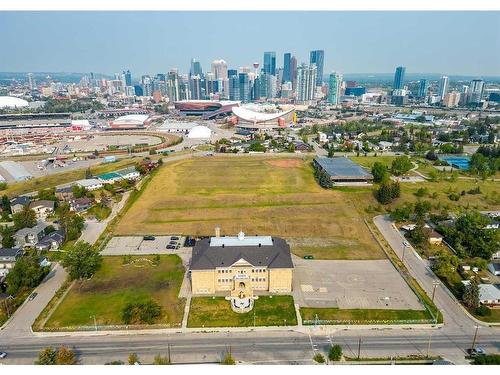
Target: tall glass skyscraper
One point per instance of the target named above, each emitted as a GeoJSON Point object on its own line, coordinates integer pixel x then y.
{"type": "Point", "coordinates": [306, 83]}
{"type": "Point", "coordinates": [334, 85]}
{"type": "Point", "coordinates": [422, 88]}
{"type": "Point", "coordinates": [443, 86]}
{"type": "Point", "coordinates": [128, 78]}
{"type": "Point", "coordinates": [270, 63]}
{"type": "Point", "coordinates": [287, 68]}
{"type": "Point", "coordinates": [476, 91]}
{"type": "Point", "coordinates": [244, 85]}
{"type": "Point", "coordinates": [399, 78]}
{"type": "Point", "coordinates": [317, 57]}
{"type": "Point", "coordinates": [195, 68]}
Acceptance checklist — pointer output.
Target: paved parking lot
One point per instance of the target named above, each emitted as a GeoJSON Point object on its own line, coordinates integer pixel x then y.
{"type": "Point", "coordinates": [136, 245]}
{"type": "Point", "coordinates": [351, 284]}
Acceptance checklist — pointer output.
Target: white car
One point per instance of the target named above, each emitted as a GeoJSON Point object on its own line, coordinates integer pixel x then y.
{"type": "Point", "coordinates": [3, 355]}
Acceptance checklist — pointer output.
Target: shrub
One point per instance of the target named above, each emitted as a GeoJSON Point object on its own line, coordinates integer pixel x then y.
{"type": "Point", "coordinates": [454, 197]}
{"type": "Point", "coordinates": [335, 353]}
{"type": "Point", "coordinates": [318, 357]}
{"type": "Point", "coordinates": [141, 312]}
{"type": "Point", "coordinates": [133, 358]}
{"type": "Point", "coordinates": [483, 311]}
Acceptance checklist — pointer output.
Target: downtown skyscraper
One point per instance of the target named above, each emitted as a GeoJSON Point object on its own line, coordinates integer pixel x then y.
{"type": "Point", "coordinates": [334, 86]}
{"type": "Point", "coordinates": [306, 83]}
{"type": "Point", "coordinates": [317, 57]}
{"type": "Point", "coordinates": [399, 78]}
{"type": "Point", "coordinates": [443, 86]}
{"type": "Point", "coordinates": [287, 66]}
{"type": "Point", "coordinates": [270, 63]}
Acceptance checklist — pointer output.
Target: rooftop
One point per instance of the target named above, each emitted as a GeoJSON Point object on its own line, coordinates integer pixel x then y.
{"type": "Point", "coordinates": [342, 167]}
{"type": "Point", "coordinates": [488, 292]}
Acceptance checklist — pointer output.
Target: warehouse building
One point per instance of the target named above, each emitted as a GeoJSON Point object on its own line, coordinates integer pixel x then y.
{"type": "Point", "coordinates": [240, 266]}
{"type": "Point", "coordinates": [343, 171]}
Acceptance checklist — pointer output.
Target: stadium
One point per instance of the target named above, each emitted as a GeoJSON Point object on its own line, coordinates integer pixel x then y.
{"type": "Point", "coordinates": [129, 122]}
{"type": "Point", "coordinates": [262, 117]}
{"type": "Point", "coordinates": [206, 109]}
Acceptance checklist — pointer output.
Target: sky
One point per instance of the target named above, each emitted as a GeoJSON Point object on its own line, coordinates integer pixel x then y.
{"type": "Point", "coordinates": [453, 43]}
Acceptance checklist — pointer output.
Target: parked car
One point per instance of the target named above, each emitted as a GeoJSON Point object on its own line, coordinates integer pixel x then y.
{"type": "Point", "coordinates": [3, 355]}
{"type": "Point", "coordinates": [308, 257]}
{"type": "Point", "coordinates": [148, 238]}
{"type": "Point", "coordinates": [172, 243]}
{"type": "Point", "coordinates": [473, 352]}
{"type": "Point", "coordinates": [32, 296]}
{"type": "Point", "coordinates": [174, 238]}
{"type": "Point", "coordinates": [170, 247]}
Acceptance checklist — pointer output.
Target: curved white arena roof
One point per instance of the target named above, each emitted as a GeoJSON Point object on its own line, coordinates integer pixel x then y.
{"type": "Point", "coordinates": [252, 116]}
{"type": "Point", "coordinates": [200, 131]}
{"type": "Point", "coordinates": [12, 102]}
{"type": "Point", "coordinates": [130, 119]}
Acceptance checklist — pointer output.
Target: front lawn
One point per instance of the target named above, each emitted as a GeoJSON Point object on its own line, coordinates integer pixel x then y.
{"type": "Point", "coordinates": [119, 283]}
{"type": "Point", "coordinates": [217, 312]}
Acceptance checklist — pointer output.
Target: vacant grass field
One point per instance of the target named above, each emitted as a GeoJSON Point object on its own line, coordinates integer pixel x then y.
{"type": "Point", "coordinates": [259, 195]}
{"type": "Point", "coordinates": [309, 313]}
{"type": "Point", "coordinates": [117, 284]}
{"type": "Point", "coordinates": [217, 312]}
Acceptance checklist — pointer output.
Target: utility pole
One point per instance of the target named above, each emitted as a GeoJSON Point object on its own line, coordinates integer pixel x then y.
{"type": "Point", "coordinates": [403, 257]}
{"type": "Point", "coordinates": [359, 347]}
{"type": "Point", "coordinates": [429, 345]}
{"type": "Point", "coordinates": [475, 338]}
{"type": "Point", "coordinates": [254, 316]}
{"type": "Point", "coordinates": [435, 284]}
{"type": "Point", "coordinates": [95, 322]}
{"type": "Point", "coordinates": [168, 348]}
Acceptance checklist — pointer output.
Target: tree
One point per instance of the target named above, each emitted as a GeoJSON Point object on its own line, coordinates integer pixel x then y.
{"type": "Point", "coordinates": [318, 357]}
{"type": "Point", "coordinates": [141, 312]}
{"type": "Point", "coordinates": [81, 261]}
{"type": "Point", "coordinates": [422, 208]}
{"type": "Point", "coordinates": [257, 147]}
{"type": "Point", "coordinates": [159, 360]}
{"type": "Point", "coordinates": [70, 222]}
{"type": "Point", "coordinates": [47, 194]}
{"type": "Point", "coordinates": [8, 240]}
{"type": "Point", "coordinates": [65, 356]}
{"type": "Point", "coordinates": [6, 204]}
{"type": "Point", "coordinates": [88, 173]}
{"type": "Point", "coordinates": [470, 296]}
{"type": "Point", "coordinates": [26, 273]}
{"type": "Point", "coordinates": [133, 358]}
{"type": "Point", "coordinates": [401, 165]}
{"type": "Point", "coordinates": [380, 172]}
{"type": "Point", "coordinates": [26, 218]}
{"type": "Point", "coordinates": [78, 191]}
{"type": "Point", "coordinates": [403, 212]}
{"type": "Point", "coordinates": [387, 192]}
{"type": "Point", "coordinates": [335, 353]}
{"type": "Point", "coordinates": [323, 179]}
{"type": "Point", "coordinates": [47, 357]}
{"type": "Point", "coordinates": [445, 265]}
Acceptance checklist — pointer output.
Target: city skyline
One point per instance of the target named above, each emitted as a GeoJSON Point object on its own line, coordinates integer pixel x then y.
{"type": "Point", "coordinates": [131, 32]}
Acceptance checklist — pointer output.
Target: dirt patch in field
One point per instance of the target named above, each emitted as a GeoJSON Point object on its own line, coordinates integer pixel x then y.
{"type": "Point", "coordinates": [284, 163]}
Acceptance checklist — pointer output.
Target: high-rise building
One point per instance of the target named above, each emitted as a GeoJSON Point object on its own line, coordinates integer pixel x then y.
{"type": "Point", "coordinates": [219, 69]}
{"type": "Point", "coordinates": [422, 88]}
{"type": "Point", "coordinates": [306, 83]}
{"type": "Point", "coordinates": [127, 78]}
{"type": "Point", "coordinates": [31, 81]}
{"type": "Point", "coordinates": [451, 99]}
{"type": "Point", "coordinates": [293, 72]}
{"type": "Point", "coordinates": [195, 69]}
{"type": "Point", "coordinates": [287, 72]}
{"type": "Point", "coordinates": [476, 91]}
{"type": "Point", "coordinates": [399, 77]}
{"type": "Point", "coordinates": [317, 57]}
{"type": "Point", "coordinates": [195, 85]}
{"type": "Point", "coordinates": [443, 86]}
{"type": "Point", "coordinates": [244, 86]}
{"type": "Point", "coordinates": [234, 87]}
{"type": "Point", "coordinates": [147, 85]}
{"type": "Point", "coordinates": [270, 63]}
{"type": "Point", "coordinates": [173, 86]}
{"type": "Point", "coordinates": [334, 86]}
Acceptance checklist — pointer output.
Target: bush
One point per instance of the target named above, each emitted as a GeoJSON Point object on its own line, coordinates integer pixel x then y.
{"type": "Point", "coordinates": [483, 311]}
{"type": "Point", "coordinates": [421, 192]}
{"type": "Point", "coordinates": [141, 312]}
{"type": "Point", "coordinates": [454, 197]}
{"type": "Point", "coordinates": [133, 358]}
{"type": "Point", "coordinates": [335, 353]}
{"type": "Point", "coordinates": [492, 359]}
{"type": "Point", "coordinates": [159, 360]}
{"type": "Point", "coordinates": [318, 357]}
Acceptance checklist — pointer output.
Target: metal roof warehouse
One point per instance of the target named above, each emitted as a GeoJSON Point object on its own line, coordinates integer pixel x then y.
{"type": "Point", "coordinates": [341, 169]}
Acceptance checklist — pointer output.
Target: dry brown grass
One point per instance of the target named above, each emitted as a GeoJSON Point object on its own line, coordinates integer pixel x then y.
{"type": "Point", "coordinates": [254, 195]}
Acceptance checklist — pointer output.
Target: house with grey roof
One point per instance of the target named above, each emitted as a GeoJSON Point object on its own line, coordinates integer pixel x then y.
{"type": "Point", "coordinates": [17, 204]}
{"type": "Point", "coordinates": [29, 237]}
{"type": "Point", "coordinates": [42, 208]}
{"type": "Point", "coordinates": [52, 241]}
{"type": "Point", "coordinates": [241, 265]}
{"type": "Point", "coordinates": [8, 258]}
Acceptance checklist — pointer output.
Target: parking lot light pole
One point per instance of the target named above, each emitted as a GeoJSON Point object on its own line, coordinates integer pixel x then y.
{"type": "Point", "coordinates": [474, 339]}
{"type": "Point", "coordinates": [435, 284]}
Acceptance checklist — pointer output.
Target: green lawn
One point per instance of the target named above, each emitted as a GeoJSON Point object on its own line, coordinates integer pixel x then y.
{"type": "Point", "coordinates": [217, 312]}
{"type": "Point", "coordinates": [117, 284]}
{"type": "Point", "coordinates": [100, 211]}
{"type": "Point", "coordinates": [361, 316]}
{"type": "Point", "coordinates": [493, 318]}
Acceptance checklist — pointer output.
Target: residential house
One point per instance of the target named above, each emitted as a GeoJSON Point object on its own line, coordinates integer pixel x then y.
{"type": "Point", "coordinates": [42, 208]}
{"type": "Point", "coordinates": [27, 237]}
{"type": "Point", "coordinates": [18, 203]}
{"type": "Point", "coordinates": [80, 204]}
{"type": "Point", "coordinates": [494, 268]}
{"type": "Point", "coordinates": [8, 258]}
{"type": "Point", "coordinates": [489, 295]}
{"type": "Point", "coordinates": [52, 241]}
{"type": "Point", "coordinates": [64, 193]}
{"type": "Point", "coordinates": [90, 184]}
{"type": "Point", "coordinates": [435, 238]}
{"type": "Point", "coordinates": [384, 146]}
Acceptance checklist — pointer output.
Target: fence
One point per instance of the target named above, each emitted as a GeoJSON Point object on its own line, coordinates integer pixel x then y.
{"type": "Point", "coordinates": [367, 322]}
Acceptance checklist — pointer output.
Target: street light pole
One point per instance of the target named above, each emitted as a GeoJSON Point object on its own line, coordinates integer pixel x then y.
{"type": "Point", "coordinates": [95, 322]}
{"type": "Point", "coordinates": [403, 257]}
{"type": "Point", "coordinates": [435, 284]}
{"type": "Point", "coordinates": [475, 338]}
{"type": "Point", "coordinates": [429, 345]}
{"type": "Point", "coordinates": [359, 347]}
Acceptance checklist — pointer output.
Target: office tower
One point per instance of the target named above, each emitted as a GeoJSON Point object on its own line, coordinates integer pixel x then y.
{"type": "Point", "coordinates": [334, 86]}
{"type": "Point", "coordinates": [476, 91]}
{"type": "Point", "coordinates": [31, 81]}
{"type": "Point", "coordinates": [270, 63]}
{"type": "Point", "coordinates": [451, 99]}
{"type": "Point", "coordinates": [184, 90]}
{"type": "Point", "coordinates": [147, 85]}
{"type": "Point", "coordinates": [173, 86]}
{"type": "Point", "coordinates": [279, 74]}
{"type": "Point", "coordinates": [399, 78]}
{"type": "Point", "coordinates": [244, 86]}
{"type": "Point", "coordinates": [195, 87]}
{"type": "Point", "coordinates": [232, 72]}
{"type": "Point", "coordinates": [317, 57]}
{"type": "Point", "coordinates": [195, 69]}
{"type": "Point", "coordinates": [128, 78]}
{"type": "Point", "coordinates": [286, 90]}
{"type": "Point", "coordinates": [234, 87]}
{"type": "Point", "coordinates": [443, 87]}
{"type": "Point", "coordinates": [422, 88]}
{"type": "Point", "coordinates": [293, 72]}
{"type": "Point", "coordinates": [306, 83]}
{"type": "Point", "coordinates": [287, 73]}
{"type": "Point", "coordinates": [219, 69]}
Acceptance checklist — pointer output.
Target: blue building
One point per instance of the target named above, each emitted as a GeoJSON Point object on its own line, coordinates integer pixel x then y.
{"type": "Point", "coordinates": [356, 91]}
{"type": "Point", "coordinates": [270, 63]}
{"type": "Point", "coordinates": [318, 57]}
{"type": "Point", "coordinates": [422, 88]}
{"type": "Point", "coordinates": [234, 87]}
{"type": "Point", "coordinates": [399, 78]}
{"type": "Point", "coordinates": [287, 67]}
{"type": "Point", "coordinates": [244, 86]}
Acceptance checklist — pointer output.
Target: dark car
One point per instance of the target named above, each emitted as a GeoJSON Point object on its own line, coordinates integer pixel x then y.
{"type": "Point", "coordinates": [170, 247]}
{"type": "Point", "coordinates": [309, 257]}
{"type": "Point", "coordinates": [189, 242]}
{"type": "Point", "coordinates": [473, 352]}
{"type": "Point", "coordinates": [174, 238]}
{"type": "Point", "coordinates": [148, 238]}
{"type": "Point", "coordinates": [172, 243]}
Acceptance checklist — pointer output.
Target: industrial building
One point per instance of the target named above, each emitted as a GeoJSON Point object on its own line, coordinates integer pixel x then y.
{"type": "Point", "coordinates": [342, 170]}
{"type": "Point", "coordinates": [16, 170]}
{"type": "Point", "coordinates": [241, 265]}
